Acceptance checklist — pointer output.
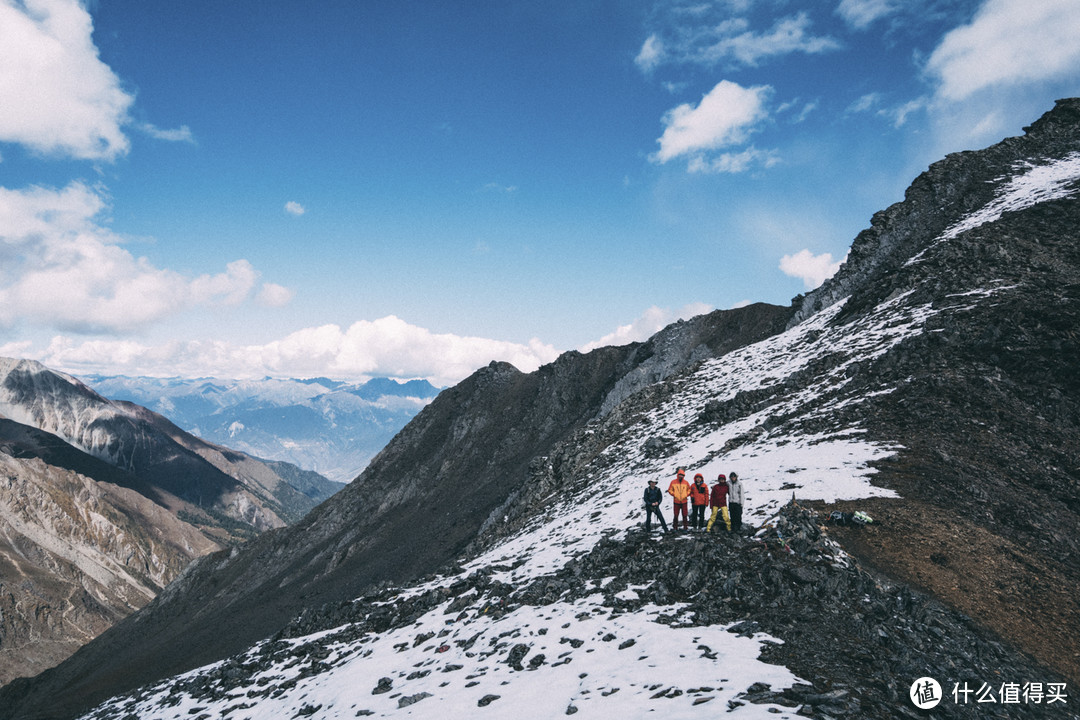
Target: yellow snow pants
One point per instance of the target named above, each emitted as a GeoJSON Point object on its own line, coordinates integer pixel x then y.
{"type": "Point", "coordinates": [727, 518]}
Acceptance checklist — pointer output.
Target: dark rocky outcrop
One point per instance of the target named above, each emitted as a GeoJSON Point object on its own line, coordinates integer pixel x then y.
{"type": "Point", "coordinates": [950, 189]}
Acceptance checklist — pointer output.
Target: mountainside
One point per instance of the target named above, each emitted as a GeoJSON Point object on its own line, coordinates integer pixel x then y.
{"type": "Point", "coordinates": [80, 548]}
{"type": "Point", "coordinates": [104, 503]}
{"type": "Point", "coordinates": [490, 559]}
{"type": "Point", "coordinates": [331, 427]}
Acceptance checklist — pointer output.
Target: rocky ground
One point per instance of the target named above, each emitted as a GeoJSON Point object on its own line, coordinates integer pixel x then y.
{"type": "Point", "coordinates": [1028, 600]}
{"type": "Point", "coordinates": [857, 640]}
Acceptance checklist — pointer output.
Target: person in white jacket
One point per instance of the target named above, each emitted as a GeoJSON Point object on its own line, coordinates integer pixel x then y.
{"type": "Point", "coordinates": [735, 501]}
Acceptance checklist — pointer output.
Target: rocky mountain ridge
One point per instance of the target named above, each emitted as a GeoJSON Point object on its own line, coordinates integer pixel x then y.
{"type": "Point", "coordinates": [931, 383]}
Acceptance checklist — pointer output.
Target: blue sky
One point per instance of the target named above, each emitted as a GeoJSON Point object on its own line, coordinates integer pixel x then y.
{"type": "Point", "coordinates": [355, 189]}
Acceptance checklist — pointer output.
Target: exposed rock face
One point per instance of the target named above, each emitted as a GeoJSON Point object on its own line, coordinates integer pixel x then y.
{"type": "Point", "coordinates": [987, 403]}
{"type": "Point", "coordinates": [680, 345]}
{"type": "Point", "coordinates": [952, 190]}
{"type": "Point", "coordinates": [946, 347]}
{"type": "Point", "coordinates": [76, 555]}
{"type": "Point", "coordinates": [102, 504]}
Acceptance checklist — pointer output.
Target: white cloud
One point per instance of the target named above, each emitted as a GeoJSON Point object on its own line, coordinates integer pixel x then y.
{"type": "Point", "coordinates": [56, 95]}
{"type": "Point", "coordinates": [801, 116]}
{"type": "Point", "coordinates": [725, 116]}
{"type": "Point", "coordinates": [696, 39]}
{"type": "Point", "coordinates": [812, 269]}
{"type": "Point", "coordinates": [897, 115]}
{"type": "Point", "coordinates": [60, 268]}
{"type": "Point", "coordinates": [16, 349]}
{"type": "Point", "coordinates": [651, 54]}
{"type": "Point", "coordinates": [274, 295]}
{"type": "Point", "coordinates": [385, 347]}
{"type": "Point", "coordinates": [231, 287]}
{"type": "Point", "coordinates": [1008, 43]}
{"type": "Point", "coordinates": [652, 321]}
{"type": "Point", "coordinates": [180, 134]}
{"type": "Point", "coordinates": [866, 103]}
{"type": "Point", "coordinates": [860, 14]}
{"type": "Point", "coordinates": [294, 208]}
{"type": "Point", "coordinates": [733, 163]}
{"type": "Point", "coordinates": [787, 36]}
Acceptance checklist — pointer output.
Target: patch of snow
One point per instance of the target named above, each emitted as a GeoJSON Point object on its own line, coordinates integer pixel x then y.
{"type": "Point", "coordinates": [1040, 183]}
{"type": "Point", "coordinates": [578, 655]}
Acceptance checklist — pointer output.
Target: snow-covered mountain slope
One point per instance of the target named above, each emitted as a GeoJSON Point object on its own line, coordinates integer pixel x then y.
{"type": "Point", "coordinates": [931, 383]}
{"type": "Point", "coordinates": [327, 426]}
{"type": "Point", "coordinates": [464, 651]}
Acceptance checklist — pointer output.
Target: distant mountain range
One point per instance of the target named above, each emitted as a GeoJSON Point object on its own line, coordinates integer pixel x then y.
{"type": "Point", "coordinates": [331, 427]}
{"type": "Point", "coordinates": [103, 503]}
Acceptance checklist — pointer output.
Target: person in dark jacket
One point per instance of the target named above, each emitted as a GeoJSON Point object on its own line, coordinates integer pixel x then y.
{"type": "Point", "coordinates": [653, 496]}
{"type": "Point", "coordinates": [699, 500]}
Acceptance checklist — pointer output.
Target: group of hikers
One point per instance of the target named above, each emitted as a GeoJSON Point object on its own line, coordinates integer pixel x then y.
{"type": "Point", "coordinates": [725, 498]}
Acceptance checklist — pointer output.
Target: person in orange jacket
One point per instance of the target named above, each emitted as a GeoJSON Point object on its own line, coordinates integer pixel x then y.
{"type": "Point", "coordinates": [699, 500]}
{"type": "Point", "coordinates": [679, 489]}
{"type": "Point", "coordinates": [719, 502]}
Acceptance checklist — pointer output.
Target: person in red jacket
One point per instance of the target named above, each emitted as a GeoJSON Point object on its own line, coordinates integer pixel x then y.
{"type": "Point", "coordinates": [699, 500]}
{"type": "Point", "coordinates": [719, 502]}
{"type": "Point", "coordinates": [679, 489]}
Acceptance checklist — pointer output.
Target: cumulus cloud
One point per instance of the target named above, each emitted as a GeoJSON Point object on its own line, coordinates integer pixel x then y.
{"type": "Point", "coordinates": [652, 321]}
{"type": "Point", "coordinates": [812, 269]}
{"type": "Point", "coordinates": [60, 268]}
{"type": "Point", "coordinates": [861, 14]}
{"type": "Point", "coordinates": [725, 116]}
{"type": "Point", "coordinates": [1008, 43]}
{"type": "Point", "coordinates": [56, 94]}
{"type": "Point", "coordinates": [294, 208]}
{"type": "Point", "coordinates": [385, 347]}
